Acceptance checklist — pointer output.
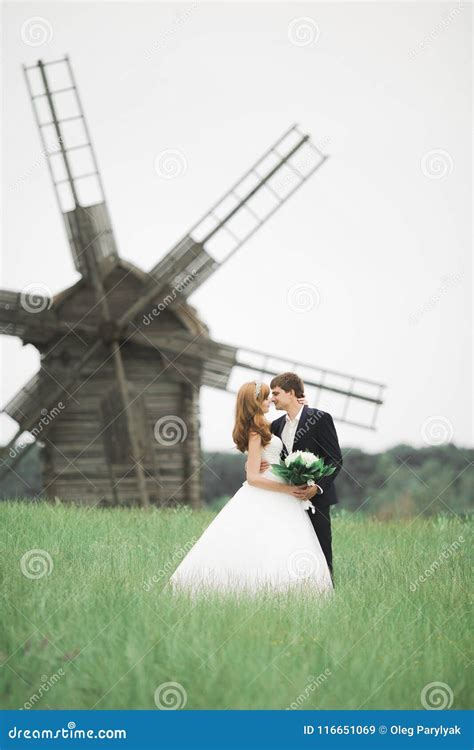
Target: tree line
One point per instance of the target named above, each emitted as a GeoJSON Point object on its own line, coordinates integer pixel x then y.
{"type": "Point", "coordinates": [402, 481]}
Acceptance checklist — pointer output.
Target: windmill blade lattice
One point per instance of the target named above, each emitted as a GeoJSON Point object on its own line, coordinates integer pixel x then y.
{"type": "Point", "coordinates": [240, 212]}
{"type": "Point", "coordinates": [40, 396]}
{"type": "Point", "coordinates": [27, 315]}
{"type": "Point", "coordinates": [71, 161]}
{"type": "Point", "coordinates": [349, 398]}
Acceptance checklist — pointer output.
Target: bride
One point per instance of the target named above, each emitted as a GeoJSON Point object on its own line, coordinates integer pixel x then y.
{"type": "Point", "coordinates": [263, 538]}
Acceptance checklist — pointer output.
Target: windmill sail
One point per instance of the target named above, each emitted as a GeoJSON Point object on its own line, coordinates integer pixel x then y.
{"type": "Point", "coordinates": [39, 398]}
{"type": "Point", "coordinates": [240, 212]}
{"type": "Point", "coordinates": [350, 399]}
{"type": "Point", "coordinates": [217, 359]}
{"type": "Point", "coordinates": [27, 314]}
{"type": "Point", "coordinates": [27, 408]}
{"type": "Point", "coordinates": [72, 163]}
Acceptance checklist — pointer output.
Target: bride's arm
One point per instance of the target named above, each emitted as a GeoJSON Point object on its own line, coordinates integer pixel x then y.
{"type": "Point", "coordinates": [254, 477]}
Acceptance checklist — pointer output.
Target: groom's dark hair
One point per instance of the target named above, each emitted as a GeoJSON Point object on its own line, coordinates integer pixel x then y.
{"type": "Point", "coordinates": [289, 381]}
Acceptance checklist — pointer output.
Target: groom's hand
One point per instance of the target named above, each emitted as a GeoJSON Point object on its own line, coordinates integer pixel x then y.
{"type": "Point", "coordinates": [264, 465]}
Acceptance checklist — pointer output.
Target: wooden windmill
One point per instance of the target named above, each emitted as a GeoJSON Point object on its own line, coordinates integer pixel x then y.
{"type": "Point", "coordinates": [115, 403]}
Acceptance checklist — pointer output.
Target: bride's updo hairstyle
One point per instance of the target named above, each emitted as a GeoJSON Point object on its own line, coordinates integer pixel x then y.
{"type": "Point", "coordinates": [249, 416]}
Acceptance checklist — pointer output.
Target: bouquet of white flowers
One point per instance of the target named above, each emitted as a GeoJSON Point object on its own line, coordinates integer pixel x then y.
{"type": "Point", "coordinates": [303, 467]}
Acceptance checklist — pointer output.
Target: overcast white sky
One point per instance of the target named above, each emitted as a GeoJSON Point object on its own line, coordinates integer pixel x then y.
{"type": "Point", "coordinates": [382, 230]}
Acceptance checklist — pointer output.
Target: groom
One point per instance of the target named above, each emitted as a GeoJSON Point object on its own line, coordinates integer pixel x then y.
{"type": "Point", "coordinates": [306, 429]}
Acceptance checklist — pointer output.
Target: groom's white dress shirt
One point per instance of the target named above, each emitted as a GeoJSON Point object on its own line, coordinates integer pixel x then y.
{"type": "Point", "coordinates": [288, 436]}
{"type": "Point", "coordinates": [289, 430]}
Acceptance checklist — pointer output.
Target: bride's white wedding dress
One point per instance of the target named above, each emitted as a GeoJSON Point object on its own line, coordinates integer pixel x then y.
{"type": "Point", "coordinates": [261, 539]}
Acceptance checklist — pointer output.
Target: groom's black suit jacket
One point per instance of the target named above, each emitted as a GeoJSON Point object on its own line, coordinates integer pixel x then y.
{"type": "Point", "coordinates": [316, 433]}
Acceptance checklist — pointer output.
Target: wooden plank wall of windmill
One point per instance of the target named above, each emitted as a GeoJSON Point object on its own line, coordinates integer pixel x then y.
{"type": "Point", "coordinates": [75, 468]}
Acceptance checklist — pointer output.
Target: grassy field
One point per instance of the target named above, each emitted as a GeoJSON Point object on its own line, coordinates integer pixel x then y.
{"type": "Point", "coordinates": [86, 624]}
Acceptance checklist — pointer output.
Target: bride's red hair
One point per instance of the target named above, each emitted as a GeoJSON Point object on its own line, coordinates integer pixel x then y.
{"type": "Point", "coordinates": [249, 416]}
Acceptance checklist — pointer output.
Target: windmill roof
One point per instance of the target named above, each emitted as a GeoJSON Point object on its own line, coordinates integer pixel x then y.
{"type": "Point", "coordinates": [185, 312]}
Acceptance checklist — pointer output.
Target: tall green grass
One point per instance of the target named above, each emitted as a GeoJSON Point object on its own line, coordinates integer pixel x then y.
{"type": "Point", "coordinates": [97, 631]}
